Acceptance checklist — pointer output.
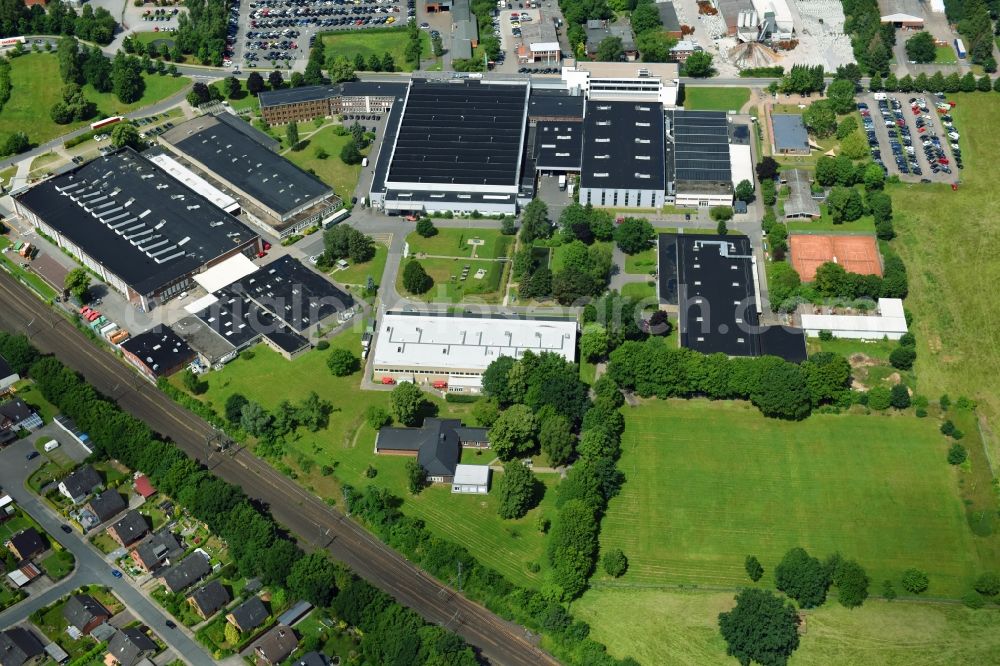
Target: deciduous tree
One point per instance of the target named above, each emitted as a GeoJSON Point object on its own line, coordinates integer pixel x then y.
{"type": "Point", "coordinates": [517, 491]}
{"type": "Point", "coordinates": [762, 628]}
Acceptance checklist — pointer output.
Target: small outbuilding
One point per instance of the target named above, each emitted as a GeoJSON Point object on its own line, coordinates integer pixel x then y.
{"type": "Point", "coordinates": [471, 479]}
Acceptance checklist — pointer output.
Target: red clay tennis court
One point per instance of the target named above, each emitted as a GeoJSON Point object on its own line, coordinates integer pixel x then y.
{"type": "Point", "coordinates": [857, 254]}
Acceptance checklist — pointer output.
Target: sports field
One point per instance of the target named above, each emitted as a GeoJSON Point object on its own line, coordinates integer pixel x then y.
{"type": "Point", "coordinates": [949, 242]}
{"type": "Point", "coordinates": [708, 483]}
{"type": "Point", "coordinates": [681, 628]}
{"type": "Point", "coordinates": [857, 254]}
{"type": "Point", "coordinates": [707, 98]}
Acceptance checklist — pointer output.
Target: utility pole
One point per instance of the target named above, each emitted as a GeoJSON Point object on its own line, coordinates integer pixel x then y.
{"type": "Point", "coordinates": [460, 575]}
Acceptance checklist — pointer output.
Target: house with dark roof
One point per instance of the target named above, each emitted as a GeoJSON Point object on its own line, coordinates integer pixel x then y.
{"type": "Point", "coordinates": [129, 529]}
{"type": "Point", "coordinates": [209, 598]}
{"type": "Point", "coordinates": [156, 550]}
{"type": "Point", "coordinates": [128, 647]}
{"type": "Point", "coordinates": [249, 615]}
{"type": "Point", "coordinates": [437, 445]}
{"type": "Point", "coordinates": [80, 483]}
{"type": "Point", "coordinates": [20, 647]}
{"type": "Point", "coordinates": [790, 135]}
{"type": "Point", "coordinates": [85, 612]}
{"type": "Point", "coordinates": [15, 415]}
{"type": "Point", "coordinates": [186, 573]}
{"type": "Point", "coordinates": [597, 30]}
{"type": "Point", "coordinates": [157, 353]}
{"type": "Point", "coordinates": [26, 544]}
{"type": "Point", "coordinates": [276, 645]}
{"type": "Point", "coordinates": [106, 505]}
{"type": "Point", "coordinates": [312, 659]}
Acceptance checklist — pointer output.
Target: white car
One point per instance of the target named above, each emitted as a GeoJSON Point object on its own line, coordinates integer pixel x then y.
{"type": "Point", "coordinates": [314, 259]}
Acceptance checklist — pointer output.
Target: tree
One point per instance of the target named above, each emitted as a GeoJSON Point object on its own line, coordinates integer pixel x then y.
{"type": "Point", "coordinates": [914, 581]}
{"type": "Point", "coordinates": [921, 48]}
{"type": "Point", "coordinates": [985, 84]}
{"type": "Point", "coordinates": [292, 134]}
{"type": "Point", "coordinates": [517, 490]}
{"type": "Point", "coordinates": [852, 583]}
{"type": "Point", "coordinates": [126, 80]}
{"type": "Point", "coordinates": [535, 221]}
{"type": "Point", "coordinates": [191, 382]}
{"type": "Point", "coordinates": [846, 127]}
{"type": "Point", "coordinates": [416, 476]}
{"type": "Point", "coordinates": [437, 45]}
{"type": "Point", "coordinates": [699, 65]}
{"type": "Point", "coordinates": [826, 171]}
{"type": "Point", "coordinates": [899, 396]}
{"type": "Point", "coordinates": [768, 168]}
{"type": "Point", "coordinates": [634, 235]}
{"type": "Point", "coordinates": [761, 628]}
{"type": "Point", "coordinates": [426, 228]}
{"type": "Point", "coordinates": [874, 179]}
{"type": "Point", "coordinates": [780, 390]}
{"type": "Point", "coordinates": [512, 434]}
{"type": "Point", "coordinates": [854, 147]}
{"type": "Point", "coordinates": [654, 46]}
{"type": "Point", "coordinates": [879, 398]}
{"type": "Point", "coordinates": [377, 417]}
{"type": "Point", "coordinates": [234, 407]}
{"type": "Point", "coordinates": [957, 454]}
{"type": "Point", "coordinates": [902, 358]}
{"type": "Point", "coordinates": [232, 634]}
{"type": "Point", "coordinates": [255, 83]}
{"type": "Point", "coordinates": [415, 278]}
{"type": "Point", "coordinates": [342, 362]}
{"type": "Point", "coordinates": [721, 228]}
{"type": "Point", "coordinates": [77, 283]}
{"type": "Point", "coordinates": [556, 438]}
{"type": "Point", "coordinates": [840, 93]}
{"type": "Point", "coordinates": [406, 402]}
{"type": "Point", "coordinates": [820, 118]}
{"type": "Point", "coordinates": [753, 568]}
{"type": "Point", "coordinates": [888, 591]}
{"type": "Point", "coordinates": [572, 545]}
{"type": "Point", "coordinates": [721, 213]}
{"type": "Point", "coordinates": [594, 342]}
{"type": "Point", "coordinates": [615, 563]}
{"type": "Point", "coordinates": [845, 204]}
{"type": "Point", "coordinates": [275, 80]}
{"type": "Point", "coordinates": [313, 578]}
{"type": "Point", "coordinates": [350, 154]}
{"type": "Point", "coordinates": [744, 191]}
{"type": "Point", "coordinates": [802, 578]}
{"type": "Point", "coordinates": [988, 584]}
{"type": "Point", "coordinates": [610, 50]}
{"type": "Point", "coordinates": [341, 69]}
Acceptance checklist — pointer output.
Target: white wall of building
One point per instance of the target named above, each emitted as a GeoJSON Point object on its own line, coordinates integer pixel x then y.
{"type": "Point", "coordinates": [687, 199]}
{"type": "Point", "coordinates": [621, 198]}
{"type": "Point", "coordinates": [741, 163]}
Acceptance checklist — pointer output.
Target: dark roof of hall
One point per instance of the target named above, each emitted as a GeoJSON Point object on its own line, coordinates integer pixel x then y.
{"type": "Point", "coordinates": [554, 103]}
{"type": "Point", "coordinates": [623, 146]}
{"type": "Point", "coordinates": [701, 146]}
{"type": "Point", "coordinates": [463, 132]}
{"type": "Point", "coordinates": [182, 229]}
{"type": "Point", "coordinates": [558, 145]}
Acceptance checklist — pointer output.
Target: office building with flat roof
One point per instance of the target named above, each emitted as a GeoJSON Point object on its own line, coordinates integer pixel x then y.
{"type": "Point", "coordinates": [624, 81]}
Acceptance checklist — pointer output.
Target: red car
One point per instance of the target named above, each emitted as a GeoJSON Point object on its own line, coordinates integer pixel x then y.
{"type": "Point", "coordinates": [94, 314]}
{"type": "Point", "coordinates": [943, 160]}
{"type": "Point", "coordinates": [388, 380]}
{"type": "Point", "coordinates": [84, 310]}
{"type": "Point", "coordinates": [411, 218]}
{"type": "Point", "coordinates": [267, 246]}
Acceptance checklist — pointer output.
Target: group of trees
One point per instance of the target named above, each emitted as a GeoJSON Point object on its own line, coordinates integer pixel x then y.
{"type": "Point", "coordinates": [256, 544]}
{"type": "Point", "coordinates": [351, 152]}
{"type": "Point", "coordinates": [975, 24]}
{"type": "Point", "coordinates": [202, 93]}
{"type": "Point", "coordinates": [871, 40]}
{"type": "Point", "coordinates": [802, 80]}
{"type": "Point", "coordinates": [271, 427]}
{"type": "Point", "coordinates": [57, 18]}
{"type": "Point", "coordinates": [652, 42]}
{"type": "Point", "coordinates": [201, 31]}
{"type": "Point", "coordinates": [159, 49]}
{"type": "Point", "coordinates": [345, 242]}
{"type": "Point", "coordinates": [778, 388]}
{"type": "Point", "coordinates": [416, 280]}
{"type": "Point", "coordinates": [611, 320]}
{"type": "Point", "coordinates": [937, 82]}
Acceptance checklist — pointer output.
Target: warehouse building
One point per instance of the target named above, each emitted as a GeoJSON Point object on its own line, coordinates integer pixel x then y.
{"type": "Point", "coordinates": [143, 232]}
{"type": "Point", "coordinates": [902, 13]}
{"type": "Point", "coordinates": [276, 196]}
{"type": "Point", "coordinates": [159, 352]}
{"type": "Point", "coordinates": [554, 104]}
{"type": "Point", "coordinates": [702, 166]}
{"type": "Point", "coordinates": [624, 81]}
{"type": "Point", "coordinates": [712, 283]}
{"type": "Point", "coordinates": [887, 322]}
{"type": "Point", "coordinates": [623, 155]}
{"type": "Point", "coordinates": [459, 146]}
{"type": "Point", "coordinates": [308, 102]}
{"type": "Point", "coordinates": [452, 352]}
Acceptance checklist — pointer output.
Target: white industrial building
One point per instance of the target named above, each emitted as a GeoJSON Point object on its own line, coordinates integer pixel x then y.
{"type": "Point", "coordinates": [624, 81]}
{"type": "Point", "coordinates": [782, 24]}
{"type": "Point", "coordinates": [453, 351]}
{"type": "Point", "coordinates": [889, 321]}
{"type": "Point", "coordinates": [471, 479]}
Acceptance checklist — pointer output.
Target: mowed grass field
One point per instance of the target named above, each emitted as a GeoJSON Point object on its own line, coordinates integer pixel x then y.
{"type": "Point", "coordinates": [343, 178]}
{"type": "Point", "coordinates": [708, 483]}
{"type": "Point", "coordinates": [949, 242]}
{"type": "Point", "coordinates": [707, 98]}
{"type": "Point", "coordinates": [36, 87]}
{"type": "Point", "coordinates": [454, 242]}
{"type": "Point", "coordinates": [375, 42]}
{"type": "Point", "coordinates": [681, 628]}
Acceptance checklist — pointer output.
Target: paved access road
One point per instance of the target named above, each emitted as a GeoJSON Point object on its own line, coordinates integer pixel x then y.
{"type": "Point", "coordinates": [90, 566]}
{"type": "Point", "coordinates": [306, 515]}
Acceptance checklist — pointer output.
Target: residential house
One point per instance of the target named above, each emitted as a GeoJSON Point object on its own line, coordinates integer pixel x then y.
{"type": "Point", "coordinates": [128, 647]}
{"type": "Point", "coordinates": [156, 551]}
{"type": "Point", "coordinates": [129, 529]}
{"type": "Point", "coordinates": [188, 572]}
{"type": "Point", "coordinates": [7, 376]}
{"type": "Point", "coordinates": [85, 612]}
{"type": "Point", "coordinates": [106, 505]}
{"type": "Point", "coordinates": [276, 645]}
{"type": "Point", "coordinates": [16, 415]}
{"type": "Point", "coordinates": [437, 445]}
{"type": "Point", "coordinates": [312, 659]}
{"type": "Point", "coordinates": [26, 544]}
{"type": "Point", "coordinates": [20, 647]}
{"type": "Point", "coordinates": [208, 599]}
{"type": "Point", "coordinates": [249, 615]}
{"type": "Point", "coordinates": [80, 483]}
{"type": "Point", "coordinates": [143, 486]}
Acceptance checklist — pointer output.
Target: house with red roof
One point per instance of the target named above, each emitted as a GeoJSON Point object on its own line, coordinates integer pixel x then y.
{"type": "Point", "coordinates": [143, 486]}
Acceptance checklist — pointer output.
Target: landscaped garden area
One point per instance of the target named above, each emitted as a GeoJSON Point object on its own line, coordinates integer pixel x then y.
{"type": "Point", "coordinates": [320, 154]}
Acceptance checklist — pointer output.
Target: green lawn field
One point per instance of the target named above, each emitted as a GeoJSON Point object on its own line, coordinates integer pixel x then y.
{"type": "Point", "coordinates": [347, 445]}
{"type": "Point", "coordinates": [375, 42]}
{"type": "Point", "coordinates": [449, 287]}
{"type": "Point", "coordinates": [706, 98]}
{"type": "Point", "coordinates": [454, 242]}
{"type": "Point", "coordinates": [343, 178]}
{"type": "Point", "coordinates": [945, 55]}
{"type": "Point", "coordinates": [640, 290]}
{"type": "Point", "coordinates": [358, 273]}
{"type": "Point", "coordinates": [36, 87]}
{"type": "Point", "coordinates": [708, 483]}
{"type": "Point", "coordinates": [681, 628]}
{"type": "Point", "coordinates": [641, 263]}
{"type": "Point", "coordinates": [948, 241]}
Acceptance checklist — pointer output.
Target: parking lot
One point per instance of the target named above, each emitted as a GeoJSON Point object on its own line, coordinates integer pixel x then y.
{"type": "Point", "coordinates": [279, 33]}
{"type": "Point", "coordinates": [912, 136]}
{"type": "Point", "coordinates": [515, 26]}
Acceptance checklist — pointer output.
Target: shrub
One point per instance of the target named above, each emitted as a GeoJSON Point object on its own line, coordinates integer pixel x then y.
{"type": "Point", "coordinates": [899, 396]}
{"type": "Point", "coordinates": [826, 336]}
{"type": "Point", "coordinates": [614, 562]}
{"type": "Point", "coordinates": [377, 417]}
{"type": "Point", "coordinates": [988, 584]}
{"type": "Point", "coordinates": [322, 345]}
{"type": "Point", "coordinates": [888, 591]}
{"type": "Point", "coordinates": [426, 228]}
{"type": "Point", "coordinates": [957, 454]}
{"type": "Point", "coordinates": [914, 581]}
{"type": "Point", "coordinates": [879, 398]}
{"type": "Point", "coordinates": [342, 362]}
{"type": "Point", "coordinates": [902, 358]}
{"type": "Point", "coordinates": [973, 600]}
{"type": "Point", "coordinates": [753, 568]}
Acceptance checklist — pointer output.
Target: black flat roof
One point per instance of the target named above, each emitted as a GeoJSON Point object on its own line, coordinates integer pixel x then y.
{"type": "Point", "coordinates": [623, 146]}
{"type": "Point", "coordinates": [264, 175]}
{"type": "Point", "coordinates": [716, 299]}
{"type": "Point", "coordinates": [554, 103]}
{"type": "Point", "coordinates": [298, 296]}
{"type": "Point", "coordinates": [463, 132]}
{"type": "Point", "coordinates": [558, 145]}
{"type": "Point", "coordinates": [135, 219]}
{"type": "Point", "coordinates": [701, 146]}
{"type": "Point", "coordinates": [385, 147]}
{"type": "Point", "coordinates": [373, 89]}
{"type": "Point", "coordinates": [160, 348]}
{"type": "Point", "coordinates": [668, 17]}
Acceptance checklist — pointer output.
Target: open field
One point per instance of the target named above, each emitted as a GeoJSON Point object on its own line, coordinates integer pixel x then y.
{"type": "Point", "coordinates": [454, 242]}
{"type": "Point", "coordinates": [375, 42]}
{"type": "Point", "coordinates": [874, 488]}
{"type": "Point", "coordinates": [343, 178]}
{"type": "Point", "coordinates": [948, 241]}
{"type": "Point", "coordinates": [36, 87]}
{"type": "Point", "coordinates": [347, 444]}
{"type": "Point", "coordinates": [681, 627]}
{"type": "Point", "coordinates": [704, 98]}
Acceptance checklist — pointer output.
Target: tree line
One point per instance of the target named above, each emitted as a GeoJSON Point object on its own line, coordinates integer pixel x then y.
{"type": "Point", "coordinates": [259, 546]}
{"type": "Point", "coordinates": [56, 18]}
{"type": "Point", "coordinates": [936, 82]}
